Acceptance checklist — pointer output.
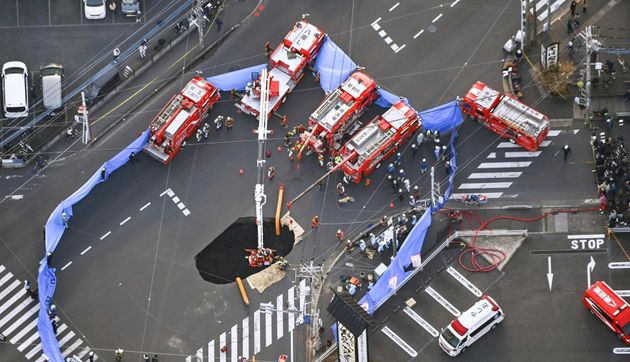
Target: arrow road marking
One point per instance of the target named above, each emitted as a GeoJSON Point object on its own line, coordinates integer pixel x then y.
{"type": "Point", "coordinates": [589, 268]}
{"type": "Point", "coordinates": [549, 273]}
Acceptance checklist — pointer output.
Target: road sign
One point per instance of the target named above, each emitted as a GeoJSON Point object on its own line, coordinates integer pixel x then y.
{"type": "Point", "coordinates": [619, 265]}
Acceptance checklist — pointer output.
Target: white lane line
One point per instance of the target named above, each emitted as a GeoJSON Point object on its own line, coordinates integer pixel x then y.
{"type": "Point", "coordinates": [72, 347]}
{"type": "Point", "coordinates": [291, 317]}
{"type": "Point", "coordinates": [257, 331]}
{"type": "Point", "coordinates": [34, 351]}
{"type": "Point", "coordinates": [176, 199]}
{"type": "Point", "coordinates": [586, 236]}
{"type": "Point", "coordinates": [41, 358]}
{"type": "Point", "coordinates": [514, 145]}
{"type": "Point", "coordinates": [29, 341]}
{"type": "Point", "coordinates": [2, 268]}
{"type": "Point", "coordinates": [23, 332]}
{"type": "Point", "coordinates": [234, 342]}
{"type": "Point", "coordinates": [181, 206]}
{"type": "Point", "coordinates": [394, 47]}
{"type": "Point", "coordinates": [145, 206]}
{"type": "Point", "coordinates": [166, 192]}
{"type": "Point", "coordinates": [485, 185]}
{"type": "Point", "coordinates": [505, 164]}
{"type": "Point", "coordinates": [376, 27]}
{"type": "Point", "coordinates": [223, 356]}
{"type": "Point", "coordinates": [186, 212]}
{"type": "Point", "coordinates": [280, 316]}
{"type": "Point", "coordinates": [67, 337]}
{"type": "Point", "coordinates": [67, 265]}
{"type": "Point", "coordinates": [418, 33]}
{"type": "Point", "coordinates": [382, 33]}
{"type": "Point", "coordinates": [463, 281]}
{"type": "Point", "coordinates": [376, 21]}
{"type": "Point", "coordinates": [401, 48]}
{"type": "Point", "coordinates": [188, 359]}
{"type": "Point", "coordinates": [621, 350]}
{"type": "Point", "coordinates": [302, 294]}
{"type": "Point", "coordinates": [5, 279]}
{"type": "Point", "coordinates": [15, 311]}
{"type": "Point", "coordinates": [245, 325]}
{"type": "Point", "coordinates": [125, 221]}
{"type": "Point", "coordinates": [199, 355]}
{"type": "Point", "coordinates": [211, 351]}
{"type": "Point", "coordinates": [86, 250]}
{"type": "Point", "coordinates": [106, 235]}
{"type": "Point", "coordinates": [20, 293]}
{"type": "Point", "coordinates": [443, 302]}
{"type": "Point", "coordinates": [393, 7]}
{"type": "Point", "coordinates": [83, 352]}
{"type": "Point", "coordinates": [490, 195]}
{"type": "Point", "coordinates": [268, 328]}
{"type": "Point", "coordinates": [437, 18]}
{"type": "Point", "coordinates": [623, 293]}
{"type": "Point", "coordinates": [399, 341]}
{"type": "Point", "coordinates": [21, 320]}
{"type": "Point", "coordinates": [388, 40]}
{"type": "Point", "coordinates": [454, 2]}
{"type": "Point", "coordinates": [424, 324]}
{"type": "Point", "coordinates": [522, 154]}
{"type": "Point", "coordinates": [492, 155]}
{"type": "Point", "coordinates": [483, 175]}
{"type": "Point", "coordinates": [554, 133]}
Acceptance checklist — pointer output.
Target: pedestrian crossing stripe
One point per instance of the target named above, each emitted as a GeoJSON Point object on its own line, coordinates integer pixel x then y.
{"type": "Point", "coordinates": [20, 315]}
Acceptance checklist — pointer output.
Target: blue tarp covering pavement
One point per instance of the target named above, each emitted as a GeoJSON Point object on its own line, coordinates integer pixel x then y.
{"type": "Point", "coordinates": [442, 118]}
{"type": "Point", "coordinates": [237, 79]}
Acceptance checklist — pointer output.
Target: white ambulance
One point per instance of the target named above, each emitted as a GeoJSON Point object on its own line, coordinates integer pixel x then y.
{"type": "Point", "coordinates": [470, 326]}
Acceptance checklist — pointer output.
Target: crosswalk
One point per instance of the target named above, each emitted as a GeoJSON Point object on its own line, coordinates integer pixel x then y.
{"type": "Point", "coordinates": [258, 330]}
{"type": "Point", "coordinates": [18, 323]}
{"type": "Point", "coordinates": [494, 176]}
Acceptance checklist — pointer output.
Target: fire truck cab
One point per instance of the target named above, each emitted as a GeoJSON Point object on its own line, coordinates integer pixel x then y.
{"type": "Point", "coordinates": [336, 116]}
{"type": "Point", "coordinates": [378, 140]}
{"type": "Point", "coordinates": [286, 67]}
{"type": "Point", "coordinates": [180, 119]}
{"type": "Point", "coordinates": [608, 306]}
{"type": "Point", "coordinates": [506, 116]}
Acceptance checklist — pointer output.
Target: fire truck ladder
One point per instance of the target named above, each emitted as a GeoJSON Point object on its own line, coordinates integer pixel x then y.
{"type": "Point", "coordinates": [260, 197]}
{"type": "Point", "coordinates": [168, 112]}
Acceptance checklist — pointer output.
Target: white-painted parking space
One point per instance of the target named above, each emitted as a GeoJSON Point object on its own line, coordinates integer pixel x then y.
{"type": "Point", "coordinates": [463, 281]}
{"type": "Point", "coordinates": [399, 341]}
{"type": "Point", "coordinates": [443, 302]}
{"type": "Point", "coordinates": [424, 324]}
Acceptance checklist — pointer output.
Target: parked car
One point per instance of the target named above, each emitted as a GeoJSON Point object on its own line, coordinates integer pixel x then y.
{"type": "Point", "coordinates": [52, 77]}
{"type": "Point", "coordinates": [130, 7]}
{"type": "Point", "coordinates": [94, 9]}
{"type": "Point", "coordinates": [15, 89]}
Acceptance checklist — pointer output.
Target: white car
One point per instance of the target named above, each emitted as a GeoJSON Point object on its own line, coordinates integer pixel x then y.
{"type": "Point", "coordinates": [94, 9]}
{"type": "Point", "coordinates": [15, 89]}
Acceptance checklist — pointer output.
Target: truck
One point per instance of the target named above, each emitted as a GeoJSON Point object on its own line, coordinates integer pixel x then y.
{"type": "Point", "coordinates": [336, 117]}
{"type": "Point", "coordinates": [506, 116]}
{"type": "Point", "coordinates": [378, 140]}
{"type": "Point", "coordinates": [180, 118]}
{"type": "Point", "coordinates": [286, 68]}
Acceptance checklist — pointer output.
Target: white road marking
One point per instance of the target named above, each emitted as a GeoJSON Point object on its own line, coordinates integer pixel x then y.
{"type": "Point", "coordinates": [388, 40]}
{"type": "Point", "coordinates": [29, 341]}
{"type": "Point", "coordinates": [21, 320]}
{"type": "Point", "coordinates": [443, 302]}
{"type": "Point", "coordinates": [437, 18]}
{"type": "Point", "coordinates": [418, 33]}
{"type": "Point", "coordinates": [245, 324]}
{"type": "Point", "coordinates": [484, 175]}
{"type": "Point", "coordinates": [186, 212]}
{"type": "Point", "coordinates": [485, 185]}
{"type": "Point", "coordinates": [280, 316]}
{"type": "Point", "coordinates": [234, 342]}
{"type": "Point", "coordinates": [463, 281]}
{"type": "Point", "coordinates": [623, 293]}
{"type": "Point", "coordinates": [621, 350]}
{"type": "Point", "coordinates": [125, 221]}
{"type": "Point", "coordinates": [424, 324]}
{"type": "Point", "coordinates": [66, 338]}
{"type": "Point", "coordinates": [504, 164]}
{"type": "Point", "coordinates": [223, 356]}
{"type": "Point", "coordinates": [167, 192]}
{"type": "Point", "coordinates": [86, 250]}
{"type": "Point", "coordinates": [72, 347]}
{"type": "Point", "coordinates": [586, 236]}
{"type": "Point", "coordinates": [176, 199]}
{"type": "Point", "coordinates": [554, 133]}
{"type": "Point", "coordinates": [199, 355]}
{"type": "Point", "coordinates": [23, 332]}
{"type": "Point", "coordinates": [41, 358]}
{"type": "Point", "coordinates": [106, 235]}
{"type": "Point", "coordinates": [399, 341]}
{"type": "Point", "coordinates": [619, 265]}
{"type": "Point", "coordinates": [514, 145]}
{"type": "Point", "coordinates": [492, 155]}
{"type": "Point", "coordinates": [2, 268]}
{"type": "Point", "coordinates": [376, 27]}
{"type": "Point", "coordinates": [393, 7]}
{"type": "Point", "coordinates": [376, 21]}
{"type": "Point", "coordinates": [268, 328]}
{"type": "Point", "coordinates": [302, 294]}
{"type": "Point", "coordinates": [67, 265]}
{"type": "Point", "coordinates": [211, 351]}
{"type": "Point", "coordinates": [34, 351]}
{"type": "Point", "coordinates": [522, 154]}
{"type": "Point", "coordinates": [291, 316]}
{"type": "Point", "coordinates": [454, 2]}
{"type": "Point", "coordinates": [382, 33]}
{"type": "Point", "coordinates": [145, 206]}
{"type": "Point", "coordinates": [394, 47]}
{"type": "Point", "coordinates": [5, 279]}
{"type": "Point", "coordinates": [401, 48]}
{"type": "Point", "coordinates": [15, 310]}
{"type": "Point", "coordinates": [8, 290]}
{"type": "Point", "coordinates": [181, 205]}
{"type": "Point", "coordinates": [257, 331]}
{"type": "Point", "coordinates": [490, 195]}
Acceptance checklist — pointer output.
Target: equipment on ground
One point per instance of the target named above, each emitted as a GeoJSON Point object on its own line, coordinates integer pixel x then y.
{"type": "Point", "coordinates": [506, 116]}
{"type": "Point", "coordinates": [474, 199]}
{"type": "Point", "coordinates": [286, 68]}
{"type": "Point", "coordinates": [181, 118]}
{"type": "Point", "coordinates": [336, 116]}
{"type": "Point", "coordinates": [378, 140]}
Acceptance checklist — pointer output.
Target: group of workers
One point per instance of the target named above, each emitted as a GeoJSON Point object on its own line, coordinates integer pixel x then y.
{"type": "Point", "coordinates": [613, 173]}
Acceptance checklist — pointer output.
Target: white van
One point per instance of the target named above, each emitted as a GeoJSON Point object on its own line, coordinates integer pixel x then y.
{"type": "Point", "coordinates": [15, 89]}
{"type": "Point", "coordinates": [52, 76]}
{"type": "Point", "coordinates": [470, 326]}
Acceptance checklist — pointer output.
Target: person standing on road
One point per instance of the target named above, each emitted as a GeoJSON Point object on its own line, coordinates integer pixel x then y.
{"type": "Point", "coordinates": [424, 166]}
{"type": "Point", "coordinates": [91, 356]}
{"type": "Point", "coordinates": [27, 287]}
{"type": "Point", "coordinates": [414, 150]}
{"type": "Point", "coordinates": [271, 173]}
{"type": "Point", "coordinates": [112, 6]}
{"type": "Point", "coordinates": [314, 222]}
{"type": "Point", "coordinates": [566, 150]}
{"type": "Point", "coordinates": [229, 123]}
{"type": "Point", "coordinates": [142, 49]}
{"type": "Point", "coordinates": [573, 6]}
{"type": "Point", "coordinates": [219, 24]}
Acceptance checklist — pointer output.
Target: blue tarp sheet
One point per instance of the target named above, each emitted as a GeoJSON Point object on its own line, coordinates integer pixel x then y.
{"type": "Point", "coordinates": [333, 65]}
{"type": "Point", "coordinates": [237, 79]}
{"type": "Point", "coordinates": [54, 228]}
{"type": "Point", "coordinates": [387, 99]}
{"type": "Point", "coordinates": [442, 118]}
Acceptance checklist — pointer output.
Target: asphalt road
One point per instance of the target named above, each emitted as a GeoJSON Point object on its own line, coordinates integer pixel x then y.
{"type": "Point", "coordinates": [137, 287]}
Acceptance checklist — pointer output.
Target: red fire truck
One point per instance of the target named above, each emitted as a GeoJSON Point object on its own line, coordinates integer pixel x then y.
{"type": "Point", "coordinates": [286, 67]}
{"type": "Point", "coordinates": [180, 119]}
{"type": "Point", "coordinates": [336, 116]}
{"type": "Point", "coordinates": [506, 116]}
{"type": "Point", "coordinates": [378, 140]}
{"type": "Point", "coordinates": [608, 306]}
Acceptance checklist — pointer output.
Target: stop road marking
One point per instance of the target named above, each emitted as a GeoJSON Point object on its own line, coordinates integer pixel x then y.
{"type": "Point", "coordinates": [594, 241]}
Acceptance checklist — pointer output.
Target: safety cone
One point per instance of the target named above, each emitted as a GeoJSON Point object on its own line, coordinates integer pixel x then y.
{"type": "Point", "coordinates": [241, 171]}
{"type": "Point", "coordinates": [279, 148]}
{"type": "Point", "coordinates": [391, 205]}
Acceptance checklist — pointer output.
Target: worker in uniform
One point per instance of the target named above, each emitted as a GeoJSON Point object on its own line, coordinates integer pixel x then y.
{"type": "Point", "coordinates": [292, 153]}
{"type": "Point", "coordinates": [437, 151]}
{"type": "Point", "coordinates": [338, 159]}
{"type": "Point", "coordinates": [199, 135]}
{"type": "Point", "coordinates": [420, 138]}
{"type": "Point", "coordinates": [429, 135]}
{"type": "Point", "coordinates": [229, 123]}
{"type": "Point", "coordinates": [283, 264]}
{"type": "Point", "coordinates": [407, 184]}
{"type": "Point", "coordinates": [394, 185]}
{"type": "Point", "coordinates": [118, 354]}
{"type": "Point", "coordinates": [398, 158]}
{"type": "Point", "coordinates": [206, 130]}
{"type": "Point", "coordinates": [414, 150]}
{"type": "Point", "coordinates": [341, 190]}
{"type": "Point", "coordinates": [401, 195]}
{"type": "Point", "coordinates": [340, 234]}
{"type": "Point", "coordinates": [349, 245]}
{"type": "Point", "coordinates": [401, 175]}
{"type": "Point", "coordinates": [391, 169]}
{"type": "Point", "coordinates": [320, 160]}
{"type": "Point", "coordinates": [436, 136]}
{"type": "Point", "coordinates": [287, 140]}
{"type": "Point", "coordinates": [424, 165]}
{"type": "Point", "coordinates": [314, 222]}
{"type": "Point", "coordinates": [362, 246]}
{"type": "Point", "coordinates": [267, 49]}
{"type": "Point", "coordinates": [444, 153]}
{"type": "Point", "coordinates": [447, 167]}
{"type": "Point", "coordinates": [271, 173]}
{"type": "Point", "coordinates": [346, 179]}
{"type": "Point", "coordinates": [416, 192]}
{"type": "Point", "coordinates": [412, 202]}
{"type": "Point", "coordinates": [218, 122]}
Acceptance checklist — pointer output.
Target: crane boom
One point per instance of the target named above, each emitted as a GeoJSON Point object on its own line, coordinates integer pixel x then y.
{"type": "Point", "coordinates": [259, 191]}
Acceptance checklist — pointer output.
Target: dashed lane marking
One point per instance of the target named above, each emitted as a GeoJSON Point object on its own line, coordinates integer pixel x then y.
{"type": "Point", "coordinates": [401, 48]}
{"type": "Point", "coordinates": [418, 33]}
{"type": "Point", "coordinates": [437, 18]}
{"type": "Point", "coordinates": [67, 265]}
{"type": "Point", "coordinates": [382, 33]}
{"type": "Point", "coordinates": [454, 3]}
{"type": "Point", "coordinates": [388, 40]}
{"type": "Point", "coordinates": [145, 206]}
{"type": "Point", "coordinates": [176, 199]}
{"type": "Point", "coordinates": [514, 145]}
{"type": "Point", "coordinates": [106, 235]}
{"type": "Point", "coordinates": [86, 250]}
{"type": "Point", "coordinates": [393, 7]}
{"type": "Point", "coordinates": [181, 205]}
{"type": "Point", "coordinates": [186, 212]}
{"type": "Point", "coordinates": [125, 221]}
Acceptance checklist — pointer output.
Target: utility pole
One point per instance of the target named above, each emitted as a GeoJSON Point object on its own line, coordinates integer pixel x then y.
{"type": "Point", "coordinates": [435, 190]}
{"type": "Point", "coordinates": [85, 134]}
{"type": "Point", "coordinates": [198, 19]}
{"type": "Point", "coordinates": [315, 275]}
{"type": "Point", "coordinates": [592, 46]}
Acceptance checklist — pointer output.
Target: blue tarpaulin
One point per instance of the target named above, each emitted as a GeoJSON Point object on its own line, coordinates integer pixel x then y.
{"type": "Point", "coordinates": [333, 65]}
{"type": "Point", "coordinates": [55, 226]}
{"type": "Point", "coordinates": [442, 118]}
{"type": "Point", "coordinates": [387, 99]}
{"type": "Point", "coordinates": [237, 79]}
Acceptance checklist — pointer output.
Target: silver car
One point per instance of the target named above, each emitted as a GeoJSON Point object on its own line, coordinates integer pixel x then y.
{"type": "Point", "coordinates": [130, 7]}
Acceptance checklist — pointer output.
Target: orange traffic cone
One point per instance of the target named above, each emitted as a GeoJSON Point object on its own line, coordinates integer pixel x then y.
{"type": "Point", "coordinates": [241, 171]}
{"type": "Point", "coordinates": [391, 205]}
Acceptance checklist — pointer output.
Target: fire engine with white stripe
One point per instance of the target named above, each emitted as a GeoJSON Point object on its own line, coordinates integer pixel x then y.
{"type": "Point", "coordinates": [336, 116]}
{"type": "Point", "coordinates": [506, 116]}
{"type": "Point", "coordinates": [286, 68]}
{"type": "Point", "coordinates": [180, 119]}
{"type": "Point", "coordinates": [378, 140]}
